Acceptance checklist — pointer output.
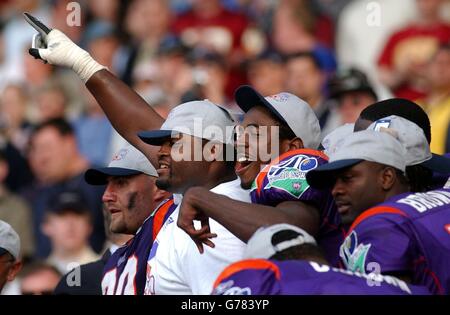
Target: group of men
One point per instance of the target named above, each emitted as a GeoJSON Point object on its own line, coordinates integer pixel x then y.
{"type": "Point", "coordinates": [364, 211]}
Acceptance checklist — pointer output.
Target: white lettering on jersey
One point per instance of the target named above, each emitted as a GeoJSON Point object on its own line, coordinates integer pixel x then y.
{"type": "Point", "coordinates": [425, 201]}
{"type": "Point", "coordinates": [127, 282]}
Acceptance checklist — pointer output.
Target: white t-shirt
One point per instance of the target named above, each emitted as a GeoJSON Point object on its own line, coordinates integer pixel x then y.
{"type": "Point", "coordinates": [175, 265]}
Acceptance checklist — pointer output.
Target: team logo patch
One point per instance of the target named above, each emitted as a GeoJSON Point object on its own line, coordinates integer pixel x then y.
{"type": "Point", "coordinates": [290, 175]}
{"type": "Point", "coordinates": [447, 228]}
{"type": "Point", "coordinates": [353, 254]}
{"type": "Point", "coordinates": [120, 155]}
{"type": "Point", "coordinates": [281, 97]}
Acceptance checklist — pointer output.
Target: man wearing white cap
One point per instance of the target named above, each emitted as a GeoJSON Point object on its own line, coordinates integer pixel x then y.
{"type": "Point", "coordinates": [10, 263]}
{"type": "Point", "coordinates": [390, 230]}
{"type": "Point", "coordinates": [283, 259]}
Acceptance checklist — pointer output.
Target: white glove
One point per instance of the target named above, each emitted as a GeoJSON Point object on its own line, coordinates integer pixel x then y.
{"type": "Point", "coordinates": [61, 51]}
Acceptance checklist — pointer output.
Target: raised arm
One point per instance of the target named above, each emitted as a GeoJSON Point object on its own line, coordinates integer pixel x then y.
{"type": "Point", "coordinates": [126, 110]}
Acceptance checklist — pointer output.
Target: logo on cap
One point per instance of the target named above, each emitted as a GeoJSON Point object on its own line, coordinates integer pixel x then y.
{"type": "Point", "coordinates": [281, 97]}
{"type": "Point", "coordinates": [120, 155]}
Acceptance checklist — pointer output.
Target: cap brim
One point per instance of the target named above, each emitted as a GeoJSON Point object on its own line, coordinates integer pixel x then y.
{"type": "Point", "coordinates": [322, 177]}
{"type": "Point", "coordinates": [98, 176]}
{"type": "Point", "coordinates": [247, 97]}
{"type": "Point", "coordinates": [3, 251]}
{"type": "Point", "coordinates": [155, 137]}
{"type": "Point", "coordinates": [438, 163]}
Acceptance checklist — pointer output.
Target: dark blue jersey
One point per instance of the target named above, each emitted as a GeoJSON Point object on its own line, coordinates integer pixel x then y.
{"type": "Point", "coordinates": [125, 272]}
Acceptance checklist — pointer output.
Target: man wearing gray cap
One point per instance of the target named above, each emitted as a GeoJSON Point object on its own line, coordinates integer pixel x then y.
{"type": "Point", "coordinates": [130, 114]}
{"type": "Point", "coordinates": [130, 197]}
{"type": "Point", "coordinates": [390, 230]}
{"type": "Point", "coordinates": [283, 259]}
{"type": "Point", "coordinates": [194, 140]}
{"type": "Point", "coordinates": [10, 263]}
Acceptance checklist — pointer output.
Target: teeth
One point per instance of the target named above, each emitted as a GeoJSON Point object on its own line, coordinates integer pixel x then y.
{"type": "Point", "coordinates": [164, 166]}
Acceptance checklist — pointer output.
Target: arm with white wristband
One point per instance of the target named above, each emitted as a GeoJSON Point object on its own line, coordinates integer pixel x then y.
{"type": "Point", "coordinates": [126, 110]}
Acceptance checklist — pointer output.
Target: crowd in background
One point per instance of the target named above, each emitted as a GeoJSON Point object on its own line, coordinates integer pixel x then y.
{"type": "Point", "coordinates": [338, 55]}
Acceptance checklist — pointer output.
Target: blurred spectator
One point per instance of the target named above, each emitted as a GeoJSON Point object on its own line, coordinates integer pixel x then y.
{"type": "Point", "coordinates": [330, 8]}
{"type": "Point", "coordinates": [15, 211]}
{"type": "Point", "coordinates": [36, 73]}
{"type": "Point", "coordinates": [211, 26]}
{"type": "Point", "coordinates": [58, 166]}
{"type": "Point", "coordinates": [146, 33]}
{"type": "Point", "coordinates": [103, 10]}
{"type": "Point", "coordinates": [437, 103]}
{"type": "Point", "coordinates": [306, 79]}
{"type": "Point", "coordinates": [68, 225]}
{"type": "Point", "coordinates": [266, 72]}
{"type": "Point", "coordinates": [102, 43]}
{"type": "Point", "coordinates": [10, 264]}
{"type": "Point", "coordinates": [209, 77]}
{"type": "Point", "coordinates": [13, 107]}
{"type": "Point", "coordinates": [94, 132]}
{"type": "Point", "coordinates": [353, 92]}
{"type": "Point", "coordinates": [17, 34]}
{"type": "Point", "coordinates": [91, 274]}
{"type": "Point", "coordinates": [294, 29]}
{"type": "Point", "coordinates": [59, 17]}
{"type": "Point", "coordinates": [51, 102]}
{"type": "Point", "coordinates": [21, 176]}
{"type": "Point", "coordinates": [172, 58]}
{"type": "Point", "coordinates": [38, 278]}
{"type": "Point", "coordinates": [403, 60]}
{"type": "Point", "coordinates": [363, 28]}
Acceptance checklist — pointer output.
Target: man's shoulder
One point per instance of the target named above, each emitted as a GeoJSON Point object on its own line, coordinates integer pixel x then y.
{"type": "Point", "coordinates": [233, 190]}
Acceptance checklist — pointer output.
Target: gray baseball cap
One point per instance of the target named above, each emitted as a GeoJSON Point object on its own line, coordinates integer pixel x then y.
{"type": "Point", "coordinates": [288, 108]}
{"type": "Point", "coordinates": [334, 139]}
{"type": "Point", "coordinates": [413, 139]}
{"type": "Point", "coordinates": [366, 145]}
{"type": "Point", "coordinates": [263, 245]}
{"type": "Point", "coordinates": [201, 119]}
{"type": "Point", "coordinates": [128, 161]}
{"type": "Point", "coordinates": [9, 240]}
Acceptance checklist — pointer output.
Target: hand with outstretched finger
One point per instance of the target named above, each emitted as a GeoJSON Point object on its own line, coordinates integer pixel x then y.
{"type": "Point", "coordinates": [187, 215]}
{"type": "Point", "coordinates": [54, 47]}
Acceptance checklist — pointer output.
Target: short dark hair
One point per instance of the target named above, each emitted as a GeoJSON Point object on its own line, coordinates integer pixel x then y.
{"type": "Point", "coordinates": [399, 107]}
{"type": "Point", "coordinates": [37, 266]}
{"type": "Point", "coordinates": [307, 55]}
{"type": "Point", "coordinates": [60, 124]}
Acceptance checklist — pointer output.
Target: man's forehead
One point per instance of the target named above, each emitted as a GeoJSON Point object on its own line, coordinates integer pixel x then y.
{"type": "Point", "coordinates": [259, 115]}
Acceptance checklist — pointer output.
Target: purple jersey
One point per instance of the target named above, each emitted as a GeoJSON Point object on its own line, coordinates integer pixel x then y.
{"type": "Point", "coordinates": [299, 277]}
{"type": "Point", "coordinates": [408, 234]}
{"type": "Point", "coordinates": [284, 179]}
{"type": "Point", "coordinates": [125, 272]}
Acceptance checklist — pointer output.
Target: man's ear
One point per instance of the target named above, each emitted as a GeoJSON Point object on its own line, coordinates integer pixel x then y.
{"type": "Point", "coordinates": [292, 144]}
{"type": "Point", "coordinates": [46, 226]}
{"type": "Point", "coordinates": [388, 178]}
{"type": "Point", "coordinates": [14, 270]}
{"type": "Point", "coordinates": [159, 195]}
